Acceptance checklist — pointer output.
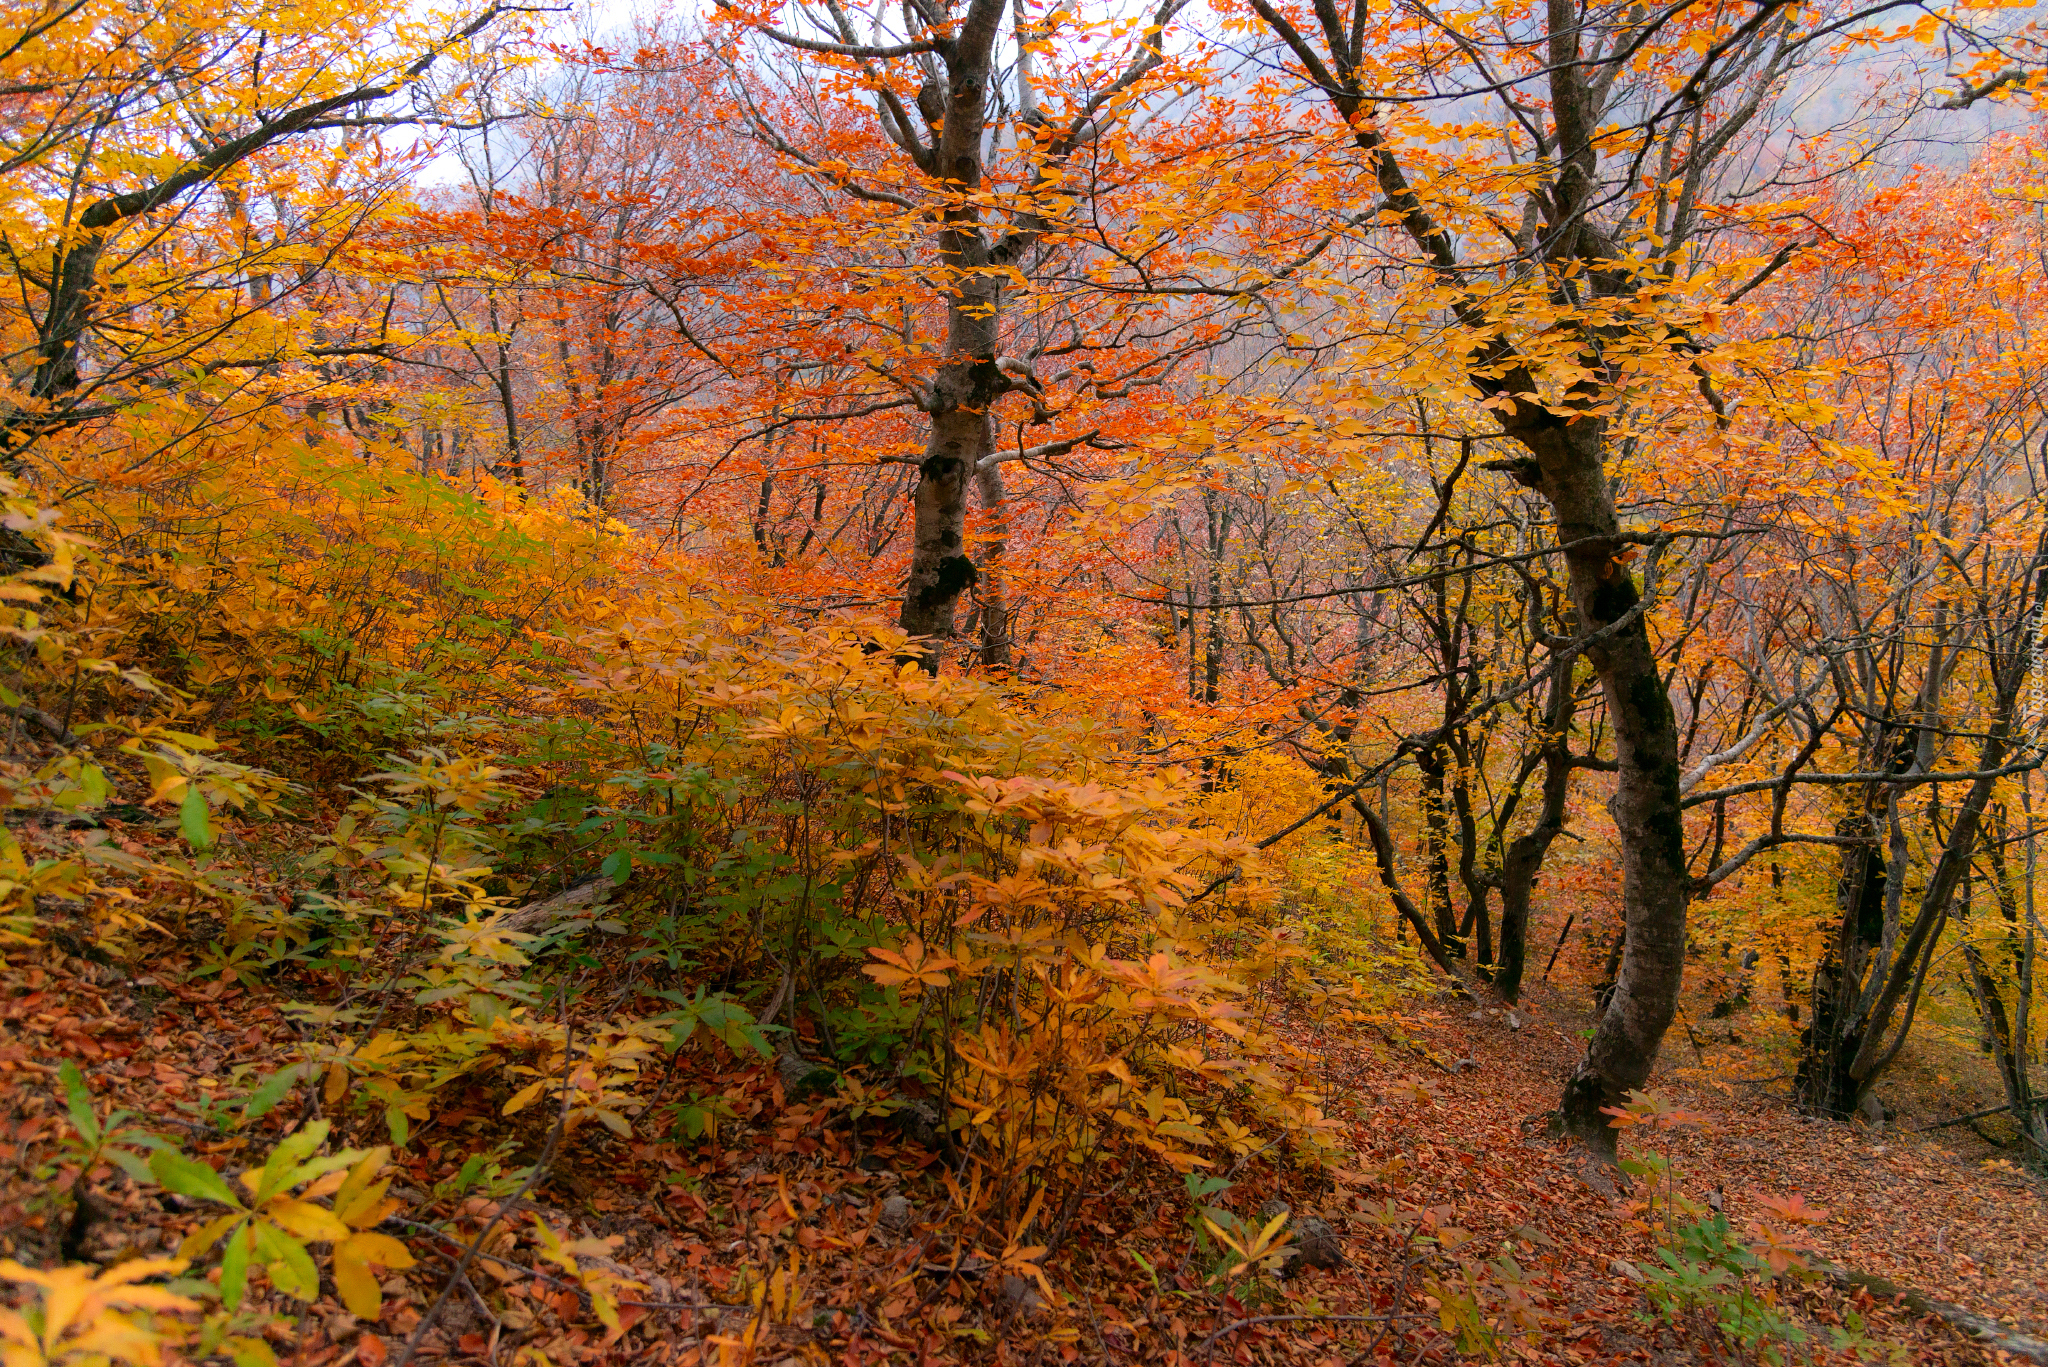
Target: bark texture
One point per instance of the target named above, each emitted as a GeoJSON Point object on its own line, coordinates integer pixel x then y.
{"type": "Point", "coordinates": [1646, 802]}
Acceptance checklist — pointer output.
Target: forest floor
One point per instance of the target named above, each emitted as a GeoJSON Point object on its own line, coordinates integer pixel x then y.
{"type": "Point", "coordinates": [791, 1239]}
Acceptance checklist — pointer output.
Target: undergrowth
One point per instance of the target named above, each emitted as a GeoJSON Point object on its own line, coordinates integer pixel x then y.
{"type": "Point", "coordinates": [566, 873]}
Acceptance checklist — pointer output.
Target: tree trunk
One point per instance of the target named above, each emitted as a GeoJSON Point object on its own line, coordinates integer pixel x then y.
{"type": "Point", "coordinates": [514, 459]}
{"type": "Point", "coordinates": [1404, 905]}
{"type": "Point", "coordinates": [1437, 839]}
{"type": "Point", "coordinates": [1848, 1049]}
{"type": "Point", "coordinates": [2008, 1051]}
{"type": "Point", "coordinates": [1478, 922]}
{"type": "Point", "coordinates": [1525, 854]}
{"type": "Point", "coordinates": [1822, 1083]}
{"type": "Point", "coordinates": [1646, 804]}
{"type": "Point", "coordinates": [77, 275]}
{"type": "Point", "coordinates": [940, 568]}
{"type": "Point", "coordinates": [2011, 1032]}
{"type": "Point", "coordinates": [996, 644]}
{"type": "Point", "coordinates": [963, 393]}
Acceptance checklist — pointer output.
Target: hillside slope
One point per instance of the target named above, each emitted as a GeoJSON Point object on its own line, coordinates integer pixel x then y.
{"type": "Point", "coordinates": [796, 1235]}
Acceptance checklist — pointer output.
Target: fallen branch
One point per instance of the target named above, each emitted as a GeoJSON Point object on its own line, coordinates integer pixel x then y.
{"type": "Point", "coordinates": [1974, 1115]}
{"type": "Point", "coordinates": [1982, 1328]}
{"type": "Point", "coordinates": [45, 723]}
{"type": "Point", "coordinates": [1560, 945]}
{"type": "Point", "coordinates": [542, 915]}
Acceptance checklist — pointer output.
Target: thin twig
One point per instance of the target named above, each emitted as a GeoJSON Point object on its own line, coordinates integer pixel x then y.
{"type": "Point", "coordinates": [561, 1283]}
{"type": "Point", "coordinates": [533, 1176]}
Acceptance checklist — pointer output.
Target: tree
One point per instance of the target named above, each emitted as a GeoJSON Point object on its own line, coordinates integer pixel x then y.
{"type": "Point", "coordinates": [577, 268]}
{"type": "Point", "coordinates": [1617, 128]}
{"type": "Point", "coordinates": [130, 112]}
{"type": "Point", "coordinates": [979, 241]}
{"type": "Point", "coordinates": [1928, 614]}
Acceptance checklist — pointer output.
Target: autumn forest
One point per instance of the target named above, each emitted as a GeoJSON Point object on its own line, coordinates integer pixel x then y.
{"type": "Point", "coordinates": [1023, 682]}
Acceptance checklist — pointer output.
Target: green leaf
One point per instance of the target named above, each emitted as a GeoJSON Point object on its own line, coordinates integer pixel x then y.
{"type": "Point", "coordinates": [190, 1177]}
{"type": "Point", "coordinates": [285, 1258]}
{"type": "Point", "coordinates": [617, 865]}
{"type": "Point", "coordinates": [78, 1100]}
{"type": "Point", "coordinates": [291, 1151]}
{"type": "Point", "coordinates": [274, 1089]}
{"type": "Point", "coordinates": [192, 819]}
{"type": "Point", "coordinates": [247, 1352]}
{"type": "Point", "coordinates": [234, 1267]}
{"type": "Point", "coordinates": [733, 1025]}
{"type": "Point", "coordinates": [290, 1163]}
{"type": "Point", "coordinates": [131, 1163]}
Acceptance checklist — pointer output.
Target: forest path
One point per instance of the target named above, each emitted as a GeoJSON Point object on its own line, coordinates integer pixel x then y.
{"type": "Point", "coordinates": [1911, 1208]}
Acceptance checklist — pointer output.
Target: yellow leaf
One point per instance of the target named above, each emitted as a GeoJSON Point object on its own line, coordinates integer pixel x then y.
{"type": "Point", "coordinates": [75, 1323]}
{"type": "Point", "coordinates": [306, 1220]}
{"type": "Point", "coordinates": [360, 1201]}
{"type": "Point", "coordinates": [356, 1283]}
{"type": "Point", "coordinates": [353, 1259]}
{"type": "Point", "coordinates": [203, 1238]}
{"type": "Point", "coordinates": [524, 1097]}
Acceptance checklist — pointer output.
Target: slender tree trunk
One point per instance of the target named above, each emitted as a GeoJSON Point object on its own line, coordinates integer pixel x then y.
{"type": "Point", "coordinates": [1478, 921]}
{"type": "Point", "coordinates": [1436, 841]}
{"type": "Point", "coordinates": [1525, 853]}
{"type": "Point", "coordinates": [2008, 1052]}
{"type": "Point", "coordinates": [1218, 519]}
{"type": "Point", "coordinates": [766, 543]}
{"type": "Point", "coordinates": [514, 462]}
{"type": "Point", "coordinates": [1404, 905]}
{"type": "Point", "coordinates": [996, 644]}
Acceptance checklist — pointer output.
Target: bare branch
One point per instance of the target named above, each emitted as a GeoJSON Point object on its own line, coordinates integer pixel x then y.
{"type": "Point", "coordinates": [1970, 94]}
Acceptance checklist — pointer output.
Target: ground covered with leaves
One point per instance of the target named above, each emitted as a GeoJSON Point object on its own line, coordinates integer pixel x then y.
{"type": "Point", "coordinates": [794, 1228]}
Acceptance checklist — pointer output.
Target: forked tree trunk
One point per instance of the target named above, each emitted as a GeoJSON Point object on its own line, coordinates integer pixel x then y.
{"type": "Point", "coordinates": [1865, 901]}
{"type": "Point", "coordinates": [1865, 998]}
